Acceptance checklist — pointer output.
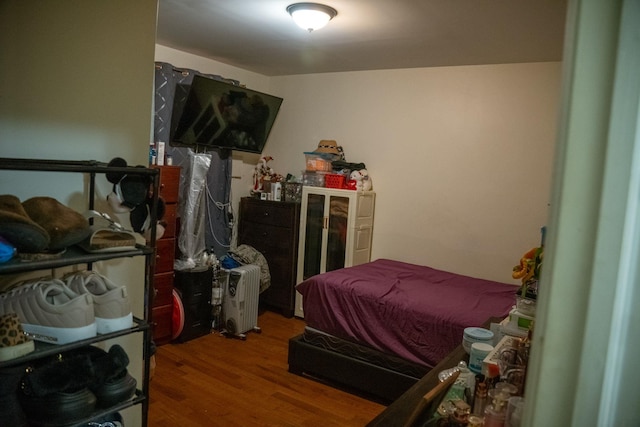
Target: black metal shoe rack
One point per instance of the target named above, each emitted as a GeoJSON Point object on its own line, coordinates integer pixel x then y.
{"type": "Point", "coordinates": [75, 255]}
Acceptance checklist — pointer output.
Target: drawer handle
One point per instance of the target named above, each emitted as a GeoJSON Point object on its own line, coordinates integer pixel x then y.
{"type": "Point", "coordinates": [266, 214]}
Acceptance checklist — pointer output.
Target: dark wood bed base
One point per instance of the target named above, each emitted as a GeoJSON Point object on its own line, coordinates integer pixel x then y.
{"type": "Point", "coordinates": [355, 375]}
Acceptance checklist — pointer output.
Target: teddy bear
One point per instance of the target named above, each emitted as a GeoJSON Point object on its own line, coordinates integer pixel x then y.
{"type": "Point", "coordinates": [362, 179]}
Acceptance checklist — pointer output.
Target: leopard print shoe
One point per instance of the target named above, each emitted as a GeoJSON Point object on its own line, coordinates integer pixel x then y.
{"type": "Point", "coordinates": [14, 342]}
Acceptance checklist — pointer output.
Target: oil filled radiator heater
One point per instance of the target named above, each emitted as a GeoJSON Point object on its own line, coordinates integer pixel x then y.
{"type": "Point", "coordinates": [241, 300]}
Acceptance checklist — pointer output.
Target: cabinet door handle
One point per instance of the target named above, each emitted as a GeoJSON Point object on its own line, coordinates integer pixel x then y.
{"type": "Point", "coordinates": [266, 213]}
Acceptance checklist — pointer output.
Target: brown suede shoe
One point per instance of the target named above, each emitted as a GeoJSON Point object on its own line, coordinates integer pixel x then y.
{"type": "Point", "coordinates": [65, 226]}
{"type": "Point", "coordinates": [18, 228]}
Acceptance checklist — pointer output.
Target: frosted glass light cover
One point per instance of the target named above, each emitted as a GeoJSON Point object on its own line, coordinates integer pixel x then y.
{"type": "Point", "coordinates": [311, 16]}
{"type": "Point", "coordinates": [310, 20]}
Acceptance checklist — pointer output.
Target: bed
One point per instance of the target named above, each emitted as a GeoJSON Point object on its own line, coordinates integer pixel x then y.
{"type": "Point", "coordinates": [378, 327]}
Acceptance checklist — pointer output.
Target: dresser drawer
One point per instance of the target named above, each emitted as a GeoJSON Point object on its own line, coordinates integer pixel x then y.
{"type": "Point", "coordinates": [162, 289]}
{"type": "Point", "coordinates": [161, 323]}
{"type": "Point", "coordinates": [273, 213]}
{"type": "Point", "coordinates": [194, 287]}
{"type": "Point", "coordinates": [265, 238]}
{"type": "Point", "coordinates": [169, 183]}
{"type": "Point", "coordinates": [170, 216]}
{"type": "Point", "coordinates": [165, 253]}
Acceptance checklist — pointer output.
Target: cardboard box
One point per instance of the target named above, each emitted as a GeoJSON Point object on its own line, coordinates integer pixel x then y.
{"type": "Point", "coordinates": [490, 366]}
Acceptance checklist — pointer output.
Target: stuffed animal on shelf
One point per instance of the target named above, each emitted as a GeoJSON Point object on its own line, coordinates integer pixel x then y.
{"type": "Point", "coordinates": [129, 191]}
{"type": "Point", "coordinates": [133, 194]}
{"type": "Point", "coordinates": [362, 179]}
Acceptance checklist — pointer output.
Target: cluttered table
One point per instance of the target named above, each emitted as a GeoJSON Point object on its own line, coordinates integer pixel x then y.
{"type": "Point", "coordinates": [402, 411]}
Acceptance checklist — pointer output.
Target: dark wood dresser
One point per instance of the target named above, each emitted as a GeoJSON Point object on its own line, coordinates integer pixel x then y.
{"type": "Point", "coordinates": [162, 297]}
{"type": "Point", "coordinates": [272, 228]}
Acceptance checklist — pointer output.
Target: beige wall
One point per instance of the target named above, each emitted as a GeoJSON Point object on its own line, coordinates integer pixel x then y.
{"type": "Point", "coordinates": [460, 157]}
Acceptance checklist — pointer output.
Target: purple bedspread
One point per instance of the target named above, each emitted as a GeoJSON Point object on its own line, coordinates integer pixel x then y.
{"type": "Point", "coordinates": [416, 312]}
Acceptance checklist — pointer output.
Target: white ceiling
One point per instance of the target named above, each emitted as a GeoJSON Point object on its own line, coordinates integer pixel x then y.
{"type": "Point", "coordinates": [259, 35]}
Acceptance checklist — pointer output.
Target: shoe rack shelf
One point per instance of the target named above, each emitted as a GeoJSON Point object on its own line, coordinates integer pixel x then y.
{"type": "Point", "coordinates": [71, 256]}
{"type": "Point", "coordinates": [75, 256]}
{"type": "Point", "coordinates": [44, 349]}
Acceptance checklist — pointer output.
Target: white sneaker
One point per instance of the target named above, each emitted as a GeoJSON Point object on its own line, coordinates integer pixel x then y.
{"type": "Point", "coordinates": [51, 312]}
{"type": "Point", "coordinates": [111, 302]}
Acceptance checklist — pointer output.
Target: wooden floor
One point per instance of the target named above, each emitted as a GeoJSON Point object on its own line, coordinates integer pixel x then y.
{"type": "Point", "coordinates": [217, 381]}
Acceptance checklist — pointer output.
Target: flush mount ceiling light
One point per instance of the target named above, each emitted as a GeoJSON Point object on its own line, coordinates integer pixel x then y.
{"type": "Point", "coordinates": [311, 16]}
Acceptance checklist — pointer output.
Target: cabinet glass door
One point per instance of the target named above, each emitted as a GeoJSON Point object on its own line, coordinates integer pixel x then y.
{"type": "Point", "coordinates": [313, 235]}
{"type": "Point", "coordinates": [337, 238]}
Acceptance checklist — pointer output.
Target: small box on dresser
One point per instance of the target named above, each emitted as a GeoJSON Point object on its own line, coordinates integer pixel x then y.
{"type": "Point", "coordinates": [163, 278]}
{"type": "Point", "coordinates": [272, 229]}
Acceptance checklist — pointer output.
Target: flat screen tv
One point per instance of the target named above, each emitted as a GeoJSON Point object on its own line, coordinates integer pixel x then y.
{"type": "Point", "coordinates": [217, 114]}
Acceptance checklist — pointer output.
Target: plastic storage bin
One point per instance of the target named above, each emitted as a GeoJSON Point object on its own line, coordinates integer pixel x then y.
{"type": "Point", "coordinates": [319, 162]}
{"type": "Point", "coordinates": [313, 179]}
{"type": "Point", "coordinates": [334, 180]}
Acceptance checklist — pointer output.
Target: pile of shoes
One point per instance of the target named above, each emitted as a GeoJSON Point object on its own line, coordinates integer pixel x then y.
{"type": "Point", "coordinates": [78, 306]}
{"type": "Point", "coordinates": [66, 388]}
{"type": "Point", "coordinates": [60, 390]}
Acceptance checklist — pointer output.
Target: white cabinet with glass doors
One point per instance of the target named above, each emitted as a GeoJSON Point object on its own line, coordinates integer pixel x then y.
{"type": "Point", "coordinates": [335, 231]}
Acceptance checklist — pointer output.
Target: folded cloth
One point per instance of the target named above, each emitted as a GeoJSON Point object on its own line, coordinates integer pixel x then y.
{"type": "Point", "coordinates": [341, 164]}
{"type": "Point", "coordinates": [65, 226]}
{"type": "Point", "coordinates": [17, 227]}
{"type": "Point", "coordinates": [107, 235]}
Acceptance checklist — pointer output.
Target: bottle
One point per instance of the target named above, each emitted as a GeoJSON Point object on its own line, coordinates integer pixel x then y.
{"type": "Point", "coordinates": [152, 153]}
{"type": "Point", "coordinates": [495, 413]}
{"type": "Point", "coordinates": [480, 398]}
{"type": "Point", "coordinates": [507, 388]}
{"type": "Point", "coordinates": [276, 191]}
{"type": "Point", "coordinates": [475, 421]}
